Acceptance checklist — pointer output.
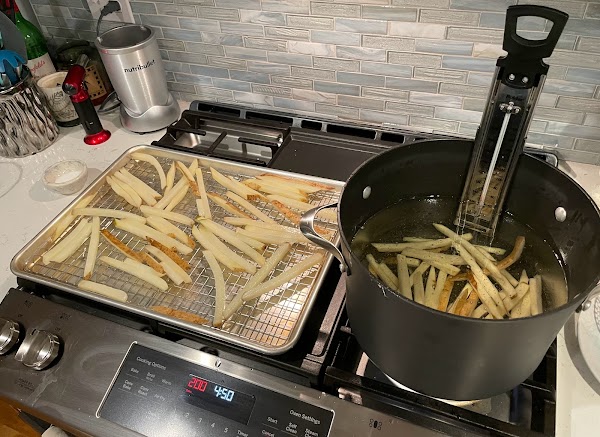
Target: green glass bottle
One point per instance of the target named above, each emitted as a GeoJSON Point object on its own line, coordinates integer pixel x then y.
{"type": "Point", "coordinates": [38, 59]}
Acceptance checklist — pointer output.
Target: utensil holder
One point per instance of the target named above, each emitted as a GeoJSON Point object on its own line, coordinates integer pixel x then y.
{"type": "Point", "coordinates": [26, 125]}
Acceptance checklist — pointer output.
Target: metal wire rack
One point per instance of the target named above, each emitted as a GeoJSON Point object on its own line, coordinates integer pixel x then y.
{"type": "Point", "coordinates": [268, 324]}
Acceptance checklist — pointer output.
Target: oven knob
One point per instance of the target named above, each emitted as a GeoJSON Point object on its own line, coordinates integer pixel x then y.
{"type": "Point", "coordinates": [9, 335]}
{"type": "Point", "coordinates": [38, 350]}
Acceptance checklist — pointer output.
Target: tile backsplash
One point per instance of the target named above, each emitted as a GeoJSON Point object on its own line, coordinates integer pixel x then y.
{"type": "Point", "coordinates": [418, 64]}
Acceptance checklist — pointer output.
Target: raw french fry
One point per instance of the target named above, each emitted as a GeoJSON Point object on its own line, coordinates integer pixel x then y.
{"type": "Point", "coordinates": [189, 176]}
{"type": "Point", "coordinates": [171, 254]}
{"type": "Point", "coordinates": [419, 270]}
{"type": "Point", "coordinates": [493, 250]}
{"type": "Point", "coordinates": [433, 300]}
{"type": "Point", "coordinates": [522, 291]}
{"type": "Point", "coordinates": [308, 186]}
{"type": "Point", "coordinates": [145, 232]}
{"type": "Point", "coordinates": [486, 290]}
{"type": "Point", "coordinates": [179, 314]}
{"type": "Point", "coordinates": [133, 195]}
{"type": "Point", "coordinates": [284, 277]}
{"type": "Point", "coordinates": [403, 277]}
{"type": "Point", "coordinates": [470, 303]}
{"type": "Point", "coordinates": [419, 290]}
{"type": "Point", "coordinates": [447, 268]}
{"type": "Point", "coordinates": [172, 269]}
{"type": "Point", "coordinates": [219, 287]}
{"type": "Point", "coordinates": [104, 290]}
{"type": "Point", "coordinates": [328, 214]}
{"type": "Point", "coordinates": [523, 308]}
{"type": "Point", "coordinates": [485, 263]}
{"type": "Point", "coordinates": [138, 270]}
{"type": "Point", "coordinates": [232, 238]}
{"type": "Point", "coordinates": [139, 185]}
{"type": "Point", "coordinates": [254, 244]}
{"type": "Point", "coordinates": [535, 295]}
{"type": "Point", "coordinates": [389, 275]}
{"type": "Point", "coordinates": [424, 245]}
{"type": "Point", "coordinates": [390, 282]}
{"type": "Point", "coordinates": [479, 312]}
{"type": "Point", "coordinates": [170, 179]}
{"type": "Point", "coordinates": [68, 245]}
{"type": "Point", "coordinates": [202, 203]}
{"type": "Point", "coordinates": [152, 263]}
{"type": "Point", "coordinates": [460, 299]}
{"type": "Point", "coordinates": [293, 217]}
{"type": "Point", "coordinates": [137, 256]}
{"type": "Point", "coordinates": [227, 206]}
{"type": "Point", "coordinates": [132, 191]}
{"type": "Point", "coordinates": [249, 207]}
{"type": "Point", "coordinates": [154, 162]}
{"type": "Point", "coordinates": [514, 255]}
{"type": "Point", "coordinates": [177, 198]}
{"type": "Point", "coordinates": [250, 193]}
{"type": "Point", "coordinates": [239, 221]}
{"type": "Point", "coordinates": [232, 184]}
{"type": "Point", "coordinates": [374, 273]}
{"type": "Point", "coordinates": [224, 255]}
{"type": "Point", "coordinates": [181, 183]}
{"type": "Point", "coordinates": [432, 256]}
{"type": "Point", "coordinates": [510, 278]}
{"type": "Point", "coordinates": [265, 237]}
{"type": "Point", "coordinates": [293, 234]}
{"type": "Point", "coordinates": [92, 252]}
{"type": "Point", "coordinates": [162, 225]}
{"type": "Point", "coordinates": [445, 295]}
{"type": "Point", "coordinates": [124, 194]}
{"type": "Point", "coordinates": [64, 222]}
{"type": "Point", "coordinates": [485, 253]}
{"type": "Point", "coordinates": [170, 215]}
{"type": "Point", "coordinates": [193, 166]}
{"type": "Point", "coordinates": [256, 279]}
{"type": "Point", "coordinates": [106, 212]}
{"type": "Point", "coordinates": [272, 188]}
{"type": "Point", "coordinates": [430, 285]}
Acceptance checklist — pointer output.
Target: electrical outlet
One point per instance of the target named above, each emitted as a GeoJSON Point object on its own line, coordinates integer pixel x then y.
{"type": "Point", "coordinates": [125, 15]}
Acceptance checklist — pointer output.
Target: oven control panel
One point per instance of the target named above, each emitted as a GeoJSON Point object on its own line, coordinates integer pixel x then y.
{"type": "Point", "coordinates": [156, 394]}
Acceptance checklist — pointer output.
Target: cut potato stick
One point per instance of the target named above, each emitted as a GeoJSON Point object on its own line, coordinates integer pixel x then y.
{"type": "Point", "coordinates": [418, 289]}
{"type": "Point", "coordinates": [186, 316]}
{"type": "Point", "coordinates": [523, 308]}
{"type": "Point", "coordinates": [170, 179]}
{"type": "Point", "coordinates": [522, 291]}
{"type": "Point", "coordinates": [232, 238]}
{"type": "Point", "coordinates": [227, 206]}
{"type": "Point", "coordinates": [138, 270]}
{"type": "Point", "coordinates": [172, 269]}
{"type": "Point", "coordinates": [293, 233]}
{"type": "Point", "coordinates": [179, 196]}
{"type": "Point", "coordinates": [470, 303]}
{"type": "Point", "coordinates": [485, 263]}
{"type": "Point", "coordinates": [121, 192]}
{"type": "Point", "coordinates": [389, 275]}
{"type": "Point", "coordinates": [535, 295]}
{"type": "Point", "coordinates": [328, 214]}
{"type": "Point", "coordinates": [266, 238]}
{"type": "Point", "coordinates": [485, 289]}
{"type": "Point", "coordinates": [444, 267]}
{"type": "Point", "coordinates": [294, 217]}
{"type": "Point", "coordinates": [486, 254]}
{"type": "Point", "coordinates": [250, 193]}
{"type": "Point", "coordinates": [239, 221]}
{"type": "Point", "coordinates": [249, 207]}
{"type": "Point", "coordinates": [106, 212]}
{"type": "Point", "coordinates": [145, 232]}
{"type": "Point", "coordinates": [308, 186]}
{"type": "Point", "coordinates": [390, 282]}
{"type": "Point", "coordinates": [492, 250]}
{"type": "Point", "coordinates": [419, 270]}
{"type": "Point", "coordinates": [479, 312]}
{"type": "Point", "coordinates": [104, 290]}
{"type": "Point", "coordinates": [424, 245]}
{"type": "Point", "coordinates": [202, 203]}
{"type": "Point", "coordinates": [374, 273]}
{"type": "Point", "coordinates": [445, 295]}
{"type": "Point", "coordinates": [166, 227]}
{"type": "Point", "coordinates": [410, 262]}
{"type": "Point", "coordinates": [284, 277]}
{"type": "Point", "coordinates": [92, 252]}
{"type": "Point", "coordinates": [137, 256]}
{"type": "Point", "coordinates": [403, 277]}
{"type": "Point", "coordinates": [514, 255]}
{"type": "Point", "coordinates": [181, 183]}
{"type": "Point", "coordinates": [431, 256]}
{"type": "Point", "coordinates": [64, 222]}
{"type": "Point", "coordinates": [189, 176]}
{"type": "Point", "coordinates": [142, 267]}
{"type": "Point", "coordinates": [460, 300]}
{"type": "Point", "coordinates": [272, 188]}
{"type": "Point", "coordinates": [138, 185]}
{"type": "Point", "coordinates": [232, 184]}
{"type": "Point", "coordinates": [219, 287]}
{"type": "Point", "coordinates": [127, 186]}
{"type": "Point", "coordinates": [133, 195]}
{"type": "Point", "coordinates": [68, 245]}
{"type": "Point", "coordinates": [432, 300]}
{"type": "Point", "coordinates": [262, 273]}
{"type": "Point", "coordinates": [171, 254]}
{"type": "Point", "coordinates": [224, 255]}
{"type": "Point", "coordinates": [169, 215]}
{"type": "Point", "coordinates": [430, 285]}
{"type": "Point", "coordinates": [254, 244]}
{"type": "Point", "coordinates": [154, 162]}
{"type": "Point", "coordinates": [513, 281]}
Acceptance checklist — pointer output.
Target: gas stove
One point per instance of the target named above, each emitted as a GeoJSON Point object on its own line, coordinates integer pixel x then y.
{"type": "Point", "coordinates": [119, 374]}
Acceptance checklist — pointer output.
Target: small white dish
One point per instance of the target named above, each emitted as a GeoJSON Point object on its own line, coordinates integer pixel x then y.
{"type": "Point", "coordinates": [66, 177]}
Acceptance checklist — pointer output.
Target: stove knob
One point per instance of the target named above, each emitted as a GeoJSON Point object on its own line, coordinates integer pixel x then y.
{"type": "Point", "coordinates": [38, 350]}
{"type": "Point", "coordinates": [9, 335]}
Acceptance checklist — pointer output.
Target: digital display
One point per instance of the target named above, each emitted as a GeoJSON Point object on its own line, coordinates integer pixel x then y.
{"type": "Point", "coordinates": [219, 399]}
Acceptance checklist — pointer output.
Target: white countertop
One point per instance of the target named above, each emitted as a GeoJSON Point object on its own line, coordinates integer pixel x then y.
{"type": "Point", "coordinates": [26, 207]}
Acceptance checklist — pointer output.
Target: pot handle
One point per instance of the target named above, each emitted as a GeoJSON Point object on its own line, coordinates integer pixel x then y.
{"type": "Point", "coordinates": [307, 228]}
{"type": "Point", "coordinates": [587, 303]}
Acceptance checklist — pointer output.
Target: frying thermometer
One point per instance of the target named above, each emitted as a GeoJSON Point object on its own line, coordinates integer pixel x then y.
{"type": "Point", "coordinates": [500, 139]}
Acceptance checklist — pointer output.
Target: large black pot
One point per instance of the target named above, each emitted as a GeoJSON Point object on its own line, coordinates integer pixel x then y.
{"type": "Point", "coordinates": [440, 354]}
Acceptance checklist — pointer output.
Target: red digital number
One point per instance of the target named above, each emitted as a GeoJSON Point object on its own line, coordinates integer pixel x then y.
{"type": "Point", "coordinates": [197, 384]}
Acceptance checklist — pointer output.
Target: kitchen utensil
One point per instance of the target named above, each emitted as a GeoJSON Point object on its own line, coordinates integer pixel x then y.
{"type": "Point", "coordinates": [132, 60]}
{"type": "Point", "coordinates": [271, 326]}
{"type": "Point", "coordinates": [500, 139]}
{"type": "Point", "coordinates": [437, 353]}
{"type": "Point", "coordinates": [26, 125]}
{"type": "Point", "coordinates": [66, 177]}
{"type": "Point", "coordinates": [74, 86]}
{"type": "Point", "coordinates": [59, 103]}
{"type": "Point", "coordinates": [12, 38]}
